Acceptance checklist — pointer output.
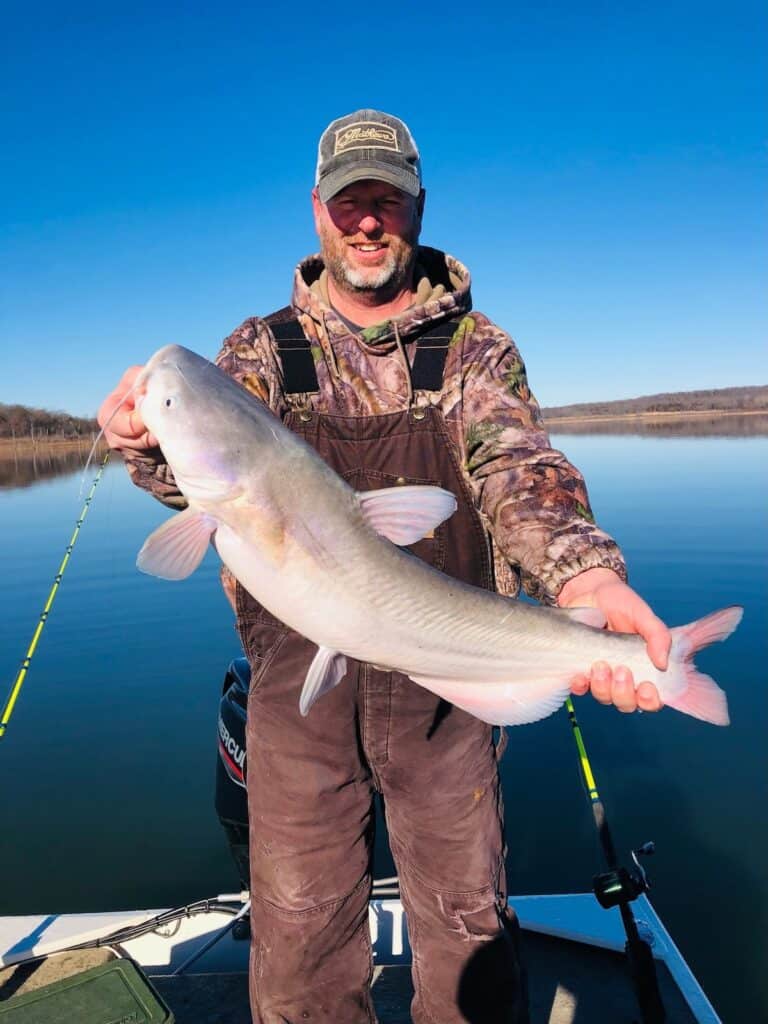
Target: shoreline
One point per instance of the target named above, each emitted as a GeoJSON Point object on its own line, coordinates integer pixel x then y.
{"type": "Point", "coordinates": [24, 447]}
{"type": "Point", "coordinates": [680, 416]}
{"type": "Point", "coordinates": [21, 446]}
{"type": "Point", "coordinates": [47, 441]}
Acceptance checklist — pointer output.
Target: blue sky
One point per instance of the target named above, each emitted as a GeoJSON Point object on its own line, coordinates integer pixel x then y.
{"type": "Point", "coordinates": [602, 172]}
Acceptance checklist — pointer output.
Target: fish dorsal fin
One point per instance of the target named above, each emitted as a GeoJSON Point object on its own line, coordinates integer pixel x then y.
{"type": "Point", "coordinates": [406, 514]}
{"type": "Point", "coordinates": [176, 548]}
{"type": "Point", "coordinates": [326, 671]}
{"type": "Point", "coordinates": [586, 616]}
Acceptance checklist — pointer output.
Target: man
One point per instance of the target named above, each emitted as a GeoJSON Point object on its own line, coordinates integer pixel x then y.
{"type": "Point", "coordinates": [381, 364]}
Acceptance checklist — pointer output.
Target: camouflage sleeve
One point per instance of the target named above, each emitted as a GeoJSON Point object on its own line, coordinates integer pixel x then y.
{"type": "Point", "coordinates": [535, 501]}
{"type": "Point", "coordinates": [245, 355]}
{"type": "Point", "coordinates": [248, 356]}
{"type": "Point", "coordinates": [149, 470]}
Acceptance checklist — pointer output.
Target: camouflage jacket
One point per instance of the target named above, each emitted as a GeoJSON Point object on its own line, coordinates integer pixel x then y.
{"type": "Point", "coordinates": [532, 500]}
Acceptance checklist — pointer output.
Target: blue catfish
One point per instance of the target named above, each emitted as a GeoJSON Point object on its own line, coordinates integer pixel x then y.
{"type": "Point", "coordinates": [327, 561]}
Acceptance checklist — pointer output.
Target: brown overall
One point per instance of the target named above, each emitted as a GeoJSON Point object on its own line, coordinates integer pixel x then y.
{"type": "Point", "coordinates": [311, 783]}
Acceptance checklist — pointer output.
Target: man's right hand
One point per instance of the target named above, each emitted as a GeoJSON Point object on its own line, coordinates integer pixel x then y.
{"type": "Point", "coordinates": [126, 429]}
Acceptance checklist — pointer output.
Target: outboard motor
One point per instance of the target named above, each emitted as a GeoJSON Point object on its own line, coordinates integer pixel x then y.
{"type": "Point", "coordinates": [231, 797]}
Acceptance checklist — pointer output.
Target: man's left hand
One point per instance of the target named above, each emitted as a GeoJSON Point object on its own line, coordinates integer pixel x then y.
{"type": "Point", "coordinates": [625, 612]}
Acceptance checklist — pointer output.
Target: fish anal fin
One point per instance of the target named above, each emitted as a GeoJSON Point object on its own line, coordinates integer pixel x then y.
{"type": "Point", "coordinates": [326, 671]}
{"type": "Point", "coordinates": [512, 703]}
{"type": "Point", "coordinates": [176, 548]}
{"type": "Point", "coordinates": [406, 514]}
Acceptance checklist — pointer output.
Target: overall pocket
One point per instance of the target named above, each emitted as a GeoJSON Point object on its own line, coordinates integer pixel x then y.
{"type": "Point", "coordinates": [260, 633]}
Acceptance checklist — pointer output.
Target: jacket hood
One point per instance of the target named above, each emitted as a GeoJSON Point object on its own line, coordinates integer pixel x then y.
{"type": "Point", "coordinates": [442, 292]}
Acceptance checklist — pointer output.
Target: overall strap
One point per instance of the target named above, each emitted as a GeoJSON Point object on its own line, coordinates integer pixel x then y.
{"type": "Point", "coordinates": [431, 353]}
{"type": "Point", "coordinates": [294, 352]}
{"type": "Point", "coordinates": [300, 375]}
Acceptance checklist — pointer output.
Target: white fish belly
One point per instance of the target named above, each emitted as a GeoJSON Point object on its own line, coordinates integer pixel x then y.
{"type": "Point", "coordinates": [374, 603]}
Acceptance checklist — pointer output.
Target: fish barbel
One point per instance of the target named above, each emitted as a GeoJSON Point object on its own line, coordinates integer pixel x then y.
{"type": "Point", "coordinates": [325, 560]}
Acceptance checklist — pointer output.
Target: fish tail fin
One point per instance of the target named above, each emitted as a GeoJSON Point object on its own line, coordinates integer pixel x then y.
{"type": "Point", "coordinates": [702, 697]}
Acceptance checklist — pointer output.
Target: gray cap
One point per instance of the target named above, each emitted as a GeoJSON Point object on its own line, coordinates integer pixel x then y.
{"type": "Point", "coordinates": [367, 144]}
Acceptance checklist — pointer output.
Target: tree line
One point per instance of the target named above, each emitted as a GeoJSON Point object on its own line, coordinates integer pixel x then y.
{"type": "Point", "coordinates": [21, 421]}
{"type": "Point", "coordinates": [742, 399]}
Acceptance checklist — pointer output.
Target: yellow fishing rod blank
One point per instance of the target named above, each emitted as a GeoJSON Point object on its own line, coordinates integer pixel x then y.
{"type": "Point", "coordinates": [22, 673]}
{"type": "Point", "coordinates": [586, 767]}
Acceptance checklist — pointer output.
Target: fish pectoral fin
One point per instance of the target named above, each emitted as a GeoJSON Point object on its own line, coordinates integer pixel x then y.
{"type": "Point", "coordinates": [586, 616]}
{"type": "Point", "coordinates": [326, 671]}
{"type": "Point", "coordinates": [406, 514]}
{"type": "Point", "coordinates": [176, 548]}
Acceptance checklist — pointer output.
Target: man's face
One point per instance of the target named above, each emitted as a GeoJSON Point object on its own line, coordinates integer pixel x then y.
{"type": "Point", "coordinates": [368, 236]}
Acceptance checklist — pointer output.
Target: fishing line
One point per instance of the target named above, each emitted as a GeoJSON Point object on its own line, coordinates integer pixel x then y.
{"type": "Point", "coordinates": [22, 673]}
{"type": "Point", "coordinates": [617, 887]}
{"type": "Point", "coordinates": [140, 378]}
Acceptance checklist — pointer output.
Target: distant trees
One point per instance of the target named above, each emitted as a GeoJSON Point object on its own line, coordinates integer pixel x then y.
{"type": "Point", "coordinates": [744, 399]}
{"type": "Point", "coordinates": [24, 422]}
{"type": "Point", "coordinates": [21, 421]}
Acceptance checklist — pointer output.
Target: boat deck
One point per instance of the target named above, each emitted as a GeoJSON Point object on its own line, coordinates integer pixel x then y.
{"type": "Point", "coordinates": [570, 983]}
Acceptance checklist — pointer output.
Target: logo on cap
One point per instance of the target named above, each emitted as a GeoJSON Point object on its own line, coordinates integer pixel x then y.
{"type": "Point", "coordinates": [366, 135]}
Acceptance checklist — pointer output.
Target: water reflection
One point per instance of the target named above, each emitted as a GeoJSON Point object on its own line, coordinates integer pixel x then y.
{"type": "Point", "coordinates": [736, 425]}
{"type": "Point", "coordinates": [24, 466]}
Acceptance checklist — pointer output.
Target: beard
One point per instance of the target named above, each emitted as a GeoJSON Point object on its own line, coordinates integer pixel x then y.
{"type": "Point", "coordinates": [382, 281]}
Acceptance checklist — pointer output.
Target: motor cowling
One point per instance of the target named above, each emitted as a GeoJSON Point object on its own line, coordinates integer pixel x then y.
{"type": "Point", "coordinates": [231, 799]}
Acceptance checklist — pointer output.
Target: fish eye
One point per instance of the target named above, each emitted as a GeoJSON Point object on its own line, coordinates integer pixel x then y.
{"type": "Point", "coordinates": [168, 403]}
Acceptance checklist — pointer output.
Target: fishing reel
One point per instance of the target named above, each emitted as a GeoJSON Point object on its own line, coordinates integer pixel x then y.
{"type": "Point", "coordinates": [622, 885]}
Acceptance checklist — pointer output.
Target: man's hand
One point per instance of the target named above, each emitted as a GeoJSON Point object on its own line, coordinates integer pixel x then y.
{"type": "Point", "coordinates": [626, 612]}
{"type": "Point", "coordinates": [126, 428]}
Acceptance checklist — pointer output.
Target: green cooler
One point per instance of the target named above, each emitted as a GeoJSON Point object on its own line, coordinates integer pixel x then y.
{"type": "Point", "coordinates": [113, 993]}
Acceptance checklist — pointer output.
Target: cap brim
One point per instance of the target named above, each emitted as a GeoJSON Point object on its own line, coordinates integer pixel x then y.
{"type": "Point", "coordinates": [334, 182]}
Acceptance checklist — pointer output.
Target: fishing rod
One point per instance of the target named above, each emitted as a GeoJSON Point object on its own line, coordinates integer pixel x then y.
{"type": "Point", "coordinates": [618, 887]}
{"type": "Point", "coordinates": [22, 673]}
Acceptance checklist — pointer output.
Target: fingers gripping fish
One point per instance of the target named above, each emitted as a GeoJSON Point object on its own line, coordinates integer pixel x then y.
{"type": "Point", "coordinates": [325, 560]}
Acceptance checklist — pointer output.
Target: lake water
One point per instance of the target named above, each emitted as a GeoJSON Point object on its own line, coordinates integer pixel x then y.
{"type": "Point", "coordinates": [109, 758]}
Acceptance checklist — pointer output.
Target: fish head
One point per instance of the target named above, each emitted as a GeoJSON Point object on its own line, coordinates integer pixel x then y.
{"type": "Point", "coordinates": [187, 403]}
